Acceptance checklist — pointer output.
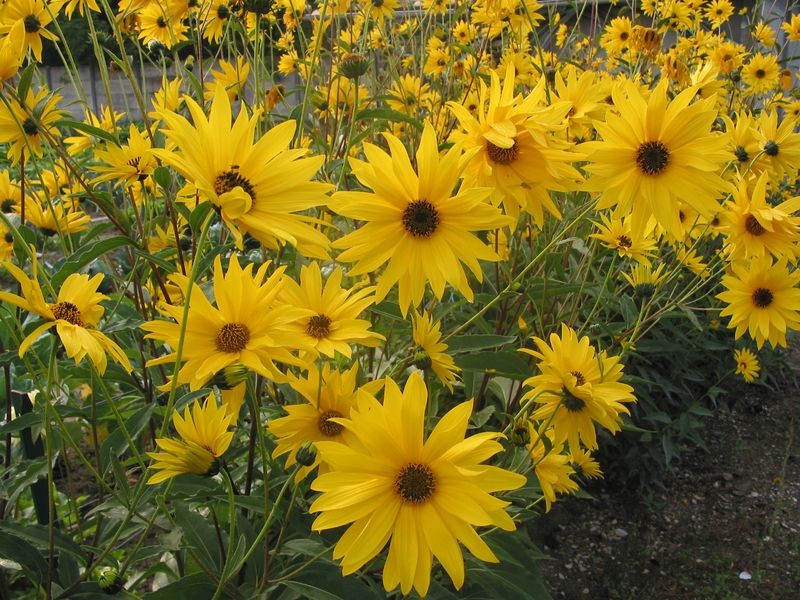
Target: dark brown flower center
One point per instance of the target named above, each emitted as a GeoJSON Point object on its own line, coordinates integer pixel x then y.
{"type": "Point", "coordinates": [420, 218]}
{"type": "Point", "coordinates": [233, 337]}
{"type": "Point", "coordinates": [771, 148]}
{"type": "Point", "coordinates": [752, 226]}
{"type": "Point", "coordinates": [652, 157]}
{"type": "Point", "coordinates": [579, 378]}
{"type": "Point", "coordinates": [741, 154]}
{"type": "Point", "coordinates": [502, 156]}
{"type": "Point", "coordinates": [573, 403]}
{"type": "Point", "coordinates": [67, 311]}
{"type": "Point", "coordinates": [415, 483]}
{"type": "Point", "coordinates": [760, 73]}
{"type": "Point", "coordinates": [762, 297]}
{"type": "Point", "coordinates": [230, 179]}
{"type": "Point", "coordinates": [623, 241]}
{"type": "Point", "coordinates": [319, 326]}
{"type": "Point", "coordinates": [30, 127]}
{"type": "Point", "coordinates": [327, 427]}
{"type": "Point", "coordinates": [32, 23]}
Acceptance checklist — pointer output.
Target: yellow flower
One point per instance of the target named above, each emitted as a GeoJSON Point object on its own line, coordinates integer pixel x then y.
{"type": "Point", "coordinates": [12, 51]}
{"type": "Point", "coordinates": [551, 467]}
{"type": "Point", "coordinates": [747, 364]}
{"type": "Point", "coordinates": [414, 222]}
{"type": "Point", "coordinates": [762, 299]}
{"type": "Point", "coordinates": [204, 438]}
{"type": "Point", "coordinates": [128, 164]}
{"type": "Point", "coordinates": [325, 396]}
{"type": "Point", "coordinates": [618, 234]}
{"type": "Point", "coordinates": [510, 147]}
{"type": "Point", "coordinates": [576, 388]}
{"type": "Point", "coordinates": [792, 28]}
{"type": "Point", "coordinates": [26, 126]}
{"type": "Point", "coordinates": [258, 187]}
{"type": "Point", "coordinates": [107, 121]}
{"type": "Point", "coordinates": [230, 77]}
{"type": "Point", "coordinates": [333, 323]}
{"type": "Point", "coordinates": [761, 73]}
{"type": "Point", "coordinates": [75, 314]}
{"type": "Point", "coordinates": [644, 279]}
{"type": "Point", "coordinates": [430, 351]}
{"type": "Point", "coordinates": [158, 23]}
{"type": "Point", "coordinates": [35, 16]}
{"type": "Point", "coordinates": [421, 497]}
{"type": "Point", "coordinates": [718, 12]}
{"type": "Point", "coordinates": [246, 327]}
{"type": "Point", "coordinates": [754, 228]}
{"type": "Point", "coordinates": [654, 153]}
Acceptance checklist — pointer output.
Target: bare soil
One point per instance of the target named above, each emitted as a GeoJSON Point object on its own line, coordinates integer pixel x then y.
{"type": "Point", "coordinates": [727, 526]}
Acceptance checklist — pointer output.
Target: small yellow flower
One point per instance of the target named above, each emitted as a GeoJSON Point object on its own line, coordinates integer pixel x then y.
{"type": "Point", "coordinates": [205, 437]}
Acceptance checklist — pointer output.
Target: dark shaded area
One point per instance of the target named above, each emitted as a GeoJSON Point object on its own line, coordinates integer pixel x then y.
{"type": "Point", "coordinates": [726, 525]}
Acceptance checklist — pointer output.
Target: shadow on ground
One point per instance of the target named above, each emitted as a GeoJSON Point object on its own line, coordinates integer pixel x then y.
{"type": "Point", "coordinates": [728, 528]}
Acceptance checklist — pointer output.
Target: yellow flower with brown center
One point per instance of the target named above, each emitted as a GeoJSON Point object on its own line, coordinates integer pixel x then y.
{"type": "Point", "coordinates": [511, 147]}
{"type": "Point", "coordinates": [248, 327]}
{"type": "Point", "coordinates": [654, 153]}
{"type": "Point", "coordinates": [75, 315]}
{"type": "Point", "coordinates": [747, 364]}
{"type": "Point", "coordinates": [260, 186]}
{"type": "Point", "coordinates": [326, 395]}
{"type": "Point", "coordinates": [204, 439]}
{"type": "Point", "coordinates": [576, 388]}
{"type": "Point", "coordinates": [394, 486]}
{"type": "Point", "coordinates": [414, 222]}
{"type": "Point", "coordinates": [332, 324]}
{"type": "Point", "coordinates": [763, 300]}
{"type": "Point", "coordinates": [28, 125]}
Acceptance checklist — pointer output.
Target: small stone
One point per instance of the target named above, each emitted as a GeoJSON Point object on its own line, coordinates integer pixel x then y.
{"type": "Point", "coordinates": [745, 575]}
{"type": "Point", "coordinates": [620, 533]}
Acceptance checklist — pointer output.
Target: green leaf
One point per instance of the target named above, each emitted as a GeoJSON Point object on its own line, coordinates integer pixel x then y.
{"type": "Point", "coordinates": [86, 128]}
{"type": "Point", "coordinates": [191, 587]}
{"type": "Point", "coordinates": [22, 422]}
{"type": "Point", "coordinates": [33, 563]}
{"type": "Point", "coordinates": [163, 177]}
{"type": "Point", "coordinates": [507, 364]}
{"type": "Point", "coordinates": [86, 255]}
{"type": "Point", "coordinates": [373, 114]}
{"type": "Point", "coordinates": [311, 592]}
{"type": "Point", "coordinates": [25, 80]}
{"type": "Point", "coordinates": [199, 534]}
{"type": "Point", "coordinates": [40, 535]}
{"type": "Point", "coordinates": [462, 343]}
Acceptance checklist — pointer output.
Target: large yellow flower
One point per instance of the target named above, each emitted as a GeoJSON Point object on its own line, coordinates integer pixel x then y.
{"type": "Point", "coordinates": [414, 222]}
{"type": "Point", "coordinates": [246, 327]}
{"type": "Point", "coordinates": [656, 152]}
{"type": "Point", "coordinates": [577, 387]}
{"type": "Point", "coordinates": [205, 437]}
{"type": "Point", "coordinates": [258, 187]}
{"type": "Point", "coordinates": [763, 300]}
{"type": "Point", "coordinates": [75, 315]}
{"type": "Point", "coordinates": [421, 497]}
{"type": "Point", "coordinates": [511, 147]}
{"type": "Point", "coordinates": [333, 323]}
